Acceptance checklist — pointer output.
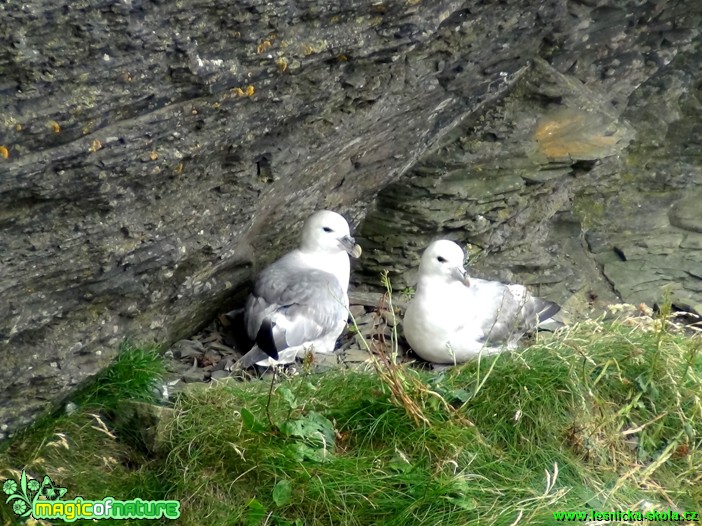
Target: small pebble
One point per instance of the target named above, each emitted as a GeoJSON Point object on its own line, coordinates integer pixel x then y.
{"type": "Point", "coordinates": [357, 310]}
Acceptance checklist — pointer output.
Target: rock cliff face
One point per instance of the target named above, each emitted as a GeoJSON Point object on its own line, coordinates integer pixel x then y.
{"type": "Point", "coordinates": [582, 181]}
{"type": "Point", "coordinates": [153, 154]}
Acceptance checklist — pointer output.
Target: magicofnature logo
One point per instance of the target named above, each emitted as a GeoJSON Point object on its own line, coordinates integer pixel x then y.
{"type": "Point", "coordinates": [26, 492]}
{"type": "Point", "coordinates": [44, 500]}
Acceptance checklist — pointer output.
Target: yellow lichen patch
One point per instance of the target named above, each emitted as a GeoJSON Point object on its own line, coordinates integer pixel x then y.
{"type": "Point", "coordinates": [246, 91]}
{"type": "Point", "coordinates": [18, 127]}
{"type": "Point", "coordinates": [4, 152]}
{"type": "Point", "coordinates": [571, 133]}
{"type": "Point", "coordinates": [282, 64]}
{"type": "Point", "coordinates": [263, 46]}
{"type": "Point", "coordinates": [342, 58]}
{"type": "Point", "coordinates": [179, 168]}
{"type": "Point", "coordinates": [153, 155]}
{"type": "Point", "coordinates": [95, 145]}
{"type": "Point", "coordinates": [88, 128]}
{"type": "Point", "coordinates": [316, 47]}
{"type": "Point", "coordinates": [55, 126]}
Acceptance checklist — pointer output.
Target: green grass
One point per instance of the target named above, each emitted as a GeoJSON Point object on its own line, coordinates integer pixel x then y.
{"type": "Point", "coordinates": [131, 376]}
{"type": "Point", "coordinates": [604, 416]}
{"type": "Point", "coordinates": [81, 451]}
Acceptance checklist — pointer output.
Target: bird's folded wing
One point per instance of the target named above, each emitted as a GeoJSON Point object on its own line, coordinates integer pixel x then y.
{"type": "Point", "coordinates": [497, 308]}
{"type": "Point", "coordinates": [303, 304]}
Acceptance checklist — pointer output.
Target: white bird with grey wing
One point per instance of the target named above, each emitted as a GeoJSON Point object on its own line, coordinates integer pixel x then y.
{"type": "Point", "coordinates": [300, 302]}
{"type": "Point", "coordinates": [453, 318]}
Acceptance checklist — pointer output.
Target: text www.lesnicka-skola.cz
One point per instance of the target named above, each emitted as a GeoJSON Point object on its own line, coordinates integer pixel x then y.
{"type": "Point", "coordinates": [627, 516]}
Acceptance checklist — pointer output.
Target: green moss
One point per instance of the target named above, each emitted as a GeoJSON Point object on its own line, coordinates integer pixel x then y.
{"type": "Point", "coordinates": [589, 210]}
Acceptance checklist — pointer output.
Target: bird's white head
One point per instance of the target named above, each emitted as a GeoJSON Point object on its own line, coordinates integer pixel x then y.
{"type": "Point", "coordinates": [444, 259]}
{"type": "Point", "coordinates": [328, 232]}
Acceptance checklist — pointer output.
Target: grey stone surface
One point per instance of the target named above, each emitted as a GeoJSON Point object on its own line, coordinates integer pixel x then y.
{"type": "Point", "coordinates": [505, 184]}
{"type": "Point", "coordinates": [687, 213]}
{"type": "Point", "coordinates": [146, 425]}
{"type": "Point", "coordinates": [583, 181]}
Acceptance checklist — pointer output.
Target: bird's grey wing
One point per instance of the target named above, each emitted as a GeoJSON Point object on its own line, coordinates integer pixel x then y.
{"type": "Point", "coordinates": [516, 311]}
{"type": "Point", "coordinates": [500, 310]}
{"type": "Point", "coordinates": [268, 290]}
{"type": "Point", "coordinates": [312, 321]}
{"type": "Point", "coordinates": [310, 301]}
{"type": "Point", "coordinates": [256, 310]}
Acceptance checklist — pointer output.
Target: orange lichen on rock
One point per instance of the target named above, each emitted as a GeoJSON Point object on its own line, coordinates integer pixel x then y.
{"type": "Point", "coordinates": [572, 133]}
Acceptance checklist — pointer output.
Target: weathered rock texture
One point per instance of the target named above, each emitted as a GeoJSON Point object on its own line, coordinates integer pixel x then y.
{"type": "Point", "coordinates": [154, 153]}
{"type": "Point", "coordinates": [583, 181]}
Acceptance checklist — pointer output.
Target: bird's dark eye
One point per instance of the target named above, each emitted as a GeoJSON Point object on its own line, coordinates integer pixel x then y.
{"type": "Point", "coordinates": [441, 259]}
{"type": "Point", "coordinates": [327, 229]}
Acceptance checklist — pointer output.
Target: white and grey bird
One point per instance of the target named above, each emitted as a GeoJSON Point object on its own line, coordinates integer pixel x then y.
{"type": "Point", "coordinates": [453, 317]}
{"type": "Point", "coordinates": [300, 302]}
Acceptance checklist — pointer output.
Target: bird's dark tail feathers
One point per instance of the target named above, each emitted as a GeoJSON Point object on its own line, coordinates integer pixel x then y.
{"type": "Point", "coordinates": [265, 340]}
{"type": "Point", "coordinates": [542, 316]}
{"type": "Point", "coordinates": [546, 309]}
